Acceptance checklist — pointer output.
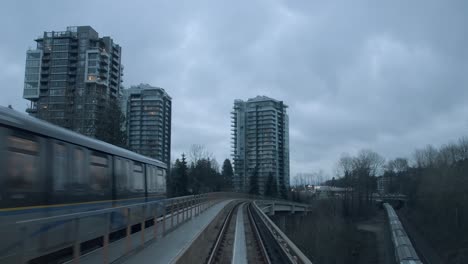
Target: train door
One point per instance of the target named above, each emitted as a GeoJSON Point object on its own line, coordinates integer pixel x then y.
{"type": "Point", "coordinates": [78, 179]}
{"type": "Point", "coordinates": [100, 168]}
{"type": "Point", "coordinates": [60, 171]}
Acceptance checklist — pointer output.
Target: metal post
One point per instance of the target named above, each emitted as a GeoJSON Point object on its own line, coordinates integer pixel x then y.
{"type": "Point", "coordinates": [178, 211]}
{"type": "Point", "coordinates": [76, 243]}
{"type": "Point", "coordinates": [128, 232]}
{"type": "Point", "coordinates": [164, 219]}
{"type": "Point", "coordinates": [172, 214]}
{"type": "Point", "coordinates": [105, 245]}
{"type": "Point", "coordinates": [186, 208]}
{"type": "Point", "coordinates": [192, 202]}
{"type": "Point", "coordinates": [201, 205]}
{"type": "Point", "coordinates": [197, 203]}
{"type": "Point", "coordinates": [143, 220]}
{"type": "Point", "coordinates": [182, 209]}
{"type": "Point", "coordinates": [205, 199]}
{"type": "Point", "coordinates": [155, 229]}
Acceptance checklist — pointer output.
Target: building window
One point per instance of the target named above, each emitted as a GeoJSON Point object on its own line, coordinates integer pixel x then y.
{"type": "Point", "coordinates": [92, 56]}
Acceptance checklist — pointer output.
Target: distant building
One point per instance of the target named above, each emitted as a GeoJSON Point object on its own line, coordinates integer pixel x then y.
{"type": "Point", "coordinates": [260, 140]}
{"type": "Point", "coordinates": [148, 112]}
{"type": "Point", "coordinates": [71, 76]}
{"type": "Point", "coordinates": [383, 184]}
{"type": "Point", "coordinates": [323, 192]}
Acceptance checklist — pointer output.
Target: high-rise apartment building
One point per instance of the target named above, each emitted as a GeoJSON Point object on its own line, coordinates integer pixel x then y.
{"type": "Point", "coordinates": [148, 111]}
{"type": "Point", "coordinates": [71, 76]}
{"type": "Point", "coordinates": [260, 140]}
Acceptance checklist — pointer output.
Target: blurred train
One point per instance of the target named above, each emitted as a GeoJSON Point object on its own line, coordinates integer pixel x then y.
{"type": "Point", "coordinates": [404, 250]}
{"type": "Point", "coordinates": [46, 170]}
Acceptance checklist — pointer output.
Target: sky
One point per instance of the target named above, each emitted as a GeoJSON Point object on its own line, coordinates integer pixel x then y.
{"type": "Point", "coordinates": [390, 76]}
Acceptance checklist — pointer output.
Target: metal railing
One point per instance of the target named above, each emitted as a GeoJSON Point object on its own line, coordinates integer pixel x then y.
{"type": "Point", "coordinates": [293, 253]}
{"type": "Point", "coordinates": [82, 232]}
{"type": "Point", "coordinates": [40, 237]}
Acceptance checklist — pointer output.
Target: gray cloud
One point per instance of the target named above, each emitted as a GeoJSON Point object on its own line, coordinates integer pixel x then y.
{"type": "Point", "coordinates": [355, 74]}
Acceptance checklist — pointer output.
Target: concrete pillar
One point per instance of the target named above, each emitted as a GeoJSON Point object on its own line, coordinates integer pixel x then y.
{"type": "Point", "coordinates": [272, 209]}
{"type": "Point", "coordinates": [293, 209]}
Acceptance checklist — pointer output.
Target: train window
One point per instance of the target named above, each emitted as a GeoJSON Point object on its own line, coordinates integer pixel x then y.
{"type": "Point", "coordinates": [118, 174]}
{"type": "Point", "coordinates": [23, 144]}
{"type": "Point", "coordinates": [60, 166]}
{"type": "Point", "coordinates": [151, 178]}
{"type": "Point", "coordinates": [123, 177]}
{"type": "Point", "coordinates": [160, 180]}
{"type": "Point", "coordinates": [23, 161]}
{"type": "Point", "coordinates": [99, 173]}
{"type": "Point", "coordinates": [99, 159]}
{"type": "Point", "coordinates": [79, 180]}
{"type": "Point", "coordinates": [138, 180]}
{"type": "Point", "coordinates": [163, 179]}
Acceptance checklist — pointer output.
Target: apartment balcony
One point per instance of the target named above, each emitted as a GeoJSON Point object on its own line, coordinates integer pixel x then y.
{"type": "Point", "coordinates": [114, 74]}
{"type": "Point", "coordinates": [104, 54]}
{"type": "Point", "coordinates": [113, 81]}
{"type": "Point", "coordinates": [31, 111]}
{"type": "Point", "coordinates": [103, 62]}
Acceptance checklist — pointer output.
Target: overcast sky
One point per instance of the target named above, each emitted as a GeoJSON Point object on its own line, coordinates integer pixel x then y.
{"type": "Point", "coordinates": [355, 74]}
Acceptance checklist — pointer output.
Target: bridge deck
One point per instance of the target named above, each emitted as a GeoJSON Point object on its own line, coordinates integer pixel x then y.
{"type": "Point", "coordinates": [169, 248]}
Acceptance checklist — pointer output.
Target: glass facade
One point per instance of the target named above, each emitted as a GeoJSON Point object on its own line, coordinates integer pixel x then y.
{"type": "Point", "coordinates": [68, 79]}
{"type": "Point", "coordinates": [32, 74]}
{"type": "Point", "coordinates": [148, 111]}
{"type": "Point", "coordinates": [260, 142]}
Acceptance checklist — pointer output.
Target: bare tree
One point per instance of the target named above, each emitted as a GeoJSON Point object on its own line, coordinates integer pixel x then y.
{"type": "Point", "coordinates": [463, 148]}
{"type": "Point", "coordinates": [400, 165]}
{"type": "Point", "coordinates": [198, 152]}
{"type": "Point", "coordinates": [344, 165]}
{"type": "Point", "coordinates": [397, 165]}
{"type": "Point", "coordinates": [369, 161]}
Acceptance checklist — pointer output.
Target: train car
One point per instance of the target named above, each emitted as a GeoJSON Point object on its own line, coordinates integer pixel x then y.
{"type": "Point", "coordinates": [46, 170]}
{"type": "Point", "coordinates": [404, 250]}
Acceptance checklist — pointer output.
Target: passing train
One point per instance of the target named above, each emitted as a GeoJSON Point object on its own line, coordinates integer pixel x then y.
{"type": "Point", "coordinates": [48, 171]}
{"type": "Point", "coordinates": [404, 250]}
{"type": "Point", "coordinates": [44, 165]}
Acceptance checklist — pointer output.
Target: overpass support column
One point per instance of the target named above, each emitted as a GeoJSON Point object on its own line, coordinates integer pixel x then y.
{"type": "Point", "coordinates": [272, 209]}
{"type": "Point", "coordinates": [293, 209]}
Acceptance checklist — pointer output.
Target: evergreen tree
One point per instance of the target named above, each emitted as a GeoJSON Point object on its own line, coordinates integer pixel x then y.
{"type": "Point", "coordinates": [271, 188]}
{"type": "Point", "coordinates": [183, 176]}
{"type": "Point", "coordinates": [254, 189]}
{"type": "Point", "coordinates": [178, 184]}
{"type": "Point", "coordinates": [110, 124]}
{"type": "Point", "coordinates": [227, 174]}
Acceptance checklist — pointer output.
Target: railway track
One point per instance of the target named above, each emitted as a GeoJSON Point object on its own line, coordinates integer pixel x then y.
{"type": "Point", "coordinates": [259, 245]}
{"type": "Point", "coordinates": [270, 249]}
{"type": "Point", "coordinates": [257, 252]}
{"type": "Point", "coordinates": [221, 251]}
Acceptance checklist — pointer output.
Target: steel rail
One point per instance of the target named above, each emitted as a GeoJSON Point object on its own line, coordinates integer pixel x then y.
{"type": "Point", "coordinates": [257, 237]}
{"type": "Point", "coordinates": [222, 233]}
